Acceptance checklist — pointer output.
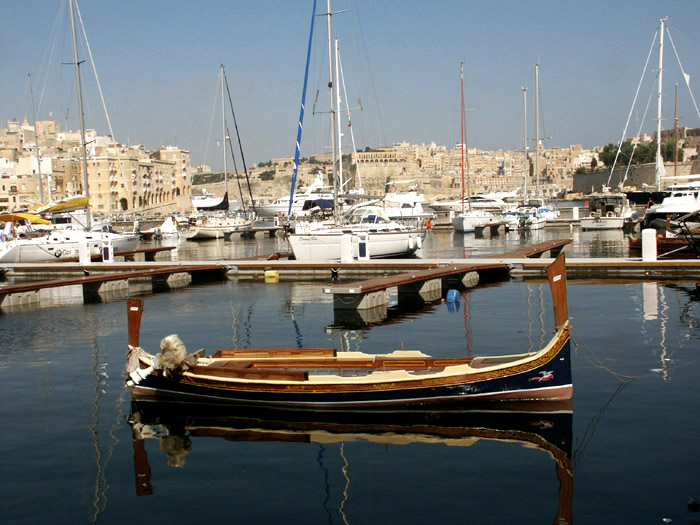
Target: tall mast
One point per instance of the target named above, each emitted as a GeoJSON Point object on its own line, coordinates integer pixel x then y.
{"type": "Point", "coordinates": [527, 165]}
{"type": "Point", "coordinates": [537, 129]}
{"type": "Point", "coordinates": [338, 123]}
{"type": "Point", "coordinates": [659, 161]}
{"type": "Point", "coordinates": [223, 128]}
{"type": "Point", "coordinates": [461, 146]}
{"type": "Point", "coordinates": [675, 135]}
{"type": "Point", "coordinates": [301, 113]}
{"type": "Point", "coordinates": [332, 109]}
{"type": "Point", "coordinates": [80, 109]}
{"type": "Point", "coordinates": [36, 137]}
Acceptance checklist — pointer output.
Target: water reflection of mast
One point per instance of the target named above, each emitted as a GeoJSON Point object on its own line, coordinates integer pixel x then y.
{"type": "Point", "coordinates": [663, 318]}
{"type": "Point", "coordinates": [467, 315]}
{"type": "Point", "coordinates": [99, 499]}
{"type": "Point", "coordinates": [246, 326]}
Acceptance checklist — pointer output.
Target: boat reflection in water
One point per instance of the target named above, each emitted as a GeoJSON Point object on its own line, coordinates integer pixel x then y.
{"type": "Point", "coordinates": [545, 426]}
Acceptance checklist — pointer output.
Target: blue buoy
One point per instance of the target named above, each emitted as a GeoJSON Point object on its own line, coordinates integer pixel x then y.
{"type": "Point", "coordinates": [452, 296]}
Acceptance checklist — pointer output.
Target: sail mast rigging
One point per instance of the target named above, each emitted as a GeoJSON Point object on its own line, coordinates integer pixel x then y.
{"type": "Point", "coordinates": [80, 109]}
{"type": "Point", "coordinates": [36, 138]}
{"type": "Point", "coordinates": [660, 170]}
{"type": "Point", "coordinates": [301, 111]}
{"type": "Point", "coordinates": [240, 148]}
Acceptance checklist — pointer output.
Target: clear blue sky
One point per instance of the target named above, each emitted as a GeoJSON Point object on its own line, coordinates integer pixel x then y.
{"type": "Point", "coordinates": [158, 62]}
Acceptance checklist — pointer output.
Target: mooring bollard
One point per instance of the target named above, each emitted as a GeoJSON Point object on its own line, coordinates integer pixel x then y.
{"type": "Point", "coordinates": [84, 255]}
{"type": "Point", "coordinates": [648, 245]}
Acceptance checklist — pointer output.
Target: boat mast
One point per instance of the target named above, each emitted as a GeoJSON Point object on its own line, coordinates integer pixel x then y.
{"type": "Point", "coordinates": [659, 161]}
{"type": "Point", "coordinates": [80, 109]}
{"type": "Point", "coordinates": [332, 110]}
{"type": "Point", "coordinates": [527, 166]}
{"type": "Point", "coordinates": [537, 130]}
{"type": "Point", "coordinates": [341, 182]}
{"type": "Point", "coordinates": [461, 146]}
{"type": "Point", "coordinates": [301, 112]}
{"type": "Point", "coordinates": [675, 135]}
{"type": "Point", "coordinates": [36, 137]}
{"type": "Point", "coordinates": [223, 129]}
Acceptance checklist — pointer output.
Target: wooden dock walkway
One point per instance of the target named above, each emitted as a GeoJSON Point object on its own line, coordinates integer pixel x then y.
{"type": "Point", "coordinates": [429, 282]}
{"type": "Point", "coordinates": [552, 248]}
{"type": "Point", "coordinates": [428, 277]}
{"type": "Point", "coordinates": [252, 232]}
{"type": "Point", "coordinates": [161, 279]}
{"type": "Point", "coordinates": [426, 284]}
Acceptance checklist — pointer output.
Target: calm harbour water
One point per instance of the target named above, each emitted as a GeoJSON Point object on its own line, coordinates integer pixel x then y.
{"type": "Point", "coordinates": [70, 454]}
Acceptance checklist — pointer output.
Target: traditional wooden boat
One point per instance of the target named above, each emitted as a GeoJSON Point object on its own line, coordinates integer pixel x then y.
{"type": "Point", "coordinates": [668, 247]}
{"type": "Point", "coordinates": [324, 378]}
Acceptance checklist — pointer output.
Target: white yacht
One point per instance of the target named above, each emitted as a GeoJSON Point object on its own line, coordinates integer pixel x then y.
{"type": "Point", "coordinates": [491, 202]}
{"type": "Point", "coordinates": [63, 244]}
{"type": "Point", "coordinates": [216, 227]}
{"type": "Point", "coordinates": [468, 221]}
{"type": "Point", "coordinates": [683, 200]}
{"type": "Point", "coordinates": [301, 201]}
{"type": "Point", "coordinates": [607, 211]}
{"type": "Point", "coordinates": [402, 205]}
{"type": "Point", "coordinates": [365, 233]}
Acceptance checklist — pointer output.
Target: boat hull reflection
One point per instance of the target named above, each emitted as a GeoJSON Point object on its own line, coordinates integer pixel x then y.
{"type": "Point", "coordinates": [546, 426]}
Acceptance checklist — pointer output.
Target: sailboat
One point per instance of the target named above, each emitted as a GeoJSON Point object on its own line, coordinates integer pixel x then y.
{"type": "Point", "coordinates": [677, 214]}
{"type": "Point", "coordinates": [220, 224]}
{"type": "Point", "coordinates": [532, 214]}
{"type": "Point", "coordinates": [364, 231]}
{"type": "Point", "coordinates": [468, 220]}
{"type": "Point", "coordinates": [67, 243]}
{"type": "Point", "coordinates": [206, 202]}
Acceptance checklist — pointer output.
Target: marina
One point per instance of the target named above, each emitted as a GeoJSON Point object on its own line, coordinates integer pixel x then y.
{"type": "Point", "coordinates": [340, 337]}
{"type": "Point", "coordinates": [633, 343]}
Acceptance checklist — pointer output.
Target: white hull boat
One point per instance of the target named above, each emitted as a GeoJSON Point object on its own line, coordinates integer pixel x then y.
{"type": "Point", "coordinates": [468, 221]}
{"type": "Point", "coordinates": [608, 211]}
{"type": "Point", "coordinates": [63, 244]}
{"type": "Point", "coordinates": [216, 228]}
{"type": "Point", "coordinates": [367, 233]}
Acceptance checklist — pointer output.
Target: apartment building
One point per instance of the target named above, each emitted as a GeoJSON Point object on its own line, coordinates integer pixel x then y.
{"type": "Point", "coordinates": [120, 178]}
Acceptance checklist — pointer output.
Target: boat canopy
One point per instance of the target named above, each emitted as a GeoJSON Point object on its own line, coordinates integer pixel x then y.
{"type": "Point", "coordinates": [21, 216]}
{"type": "Point", "coordinates": [69, 204]}
{"type": "Point", "coordinates": [324, 204]}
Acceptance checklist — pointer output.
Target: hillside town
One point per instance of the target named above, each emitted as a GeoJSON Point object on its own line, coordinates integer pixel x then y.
{"type": "Point", "coordinates": [131, 179]}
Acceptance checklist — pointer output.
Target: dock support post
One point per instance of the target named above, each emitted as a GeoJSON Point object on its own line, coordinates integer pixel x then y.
{"type": "Point", "coordinates": [19, 299]}
{"type": "Point", "coordinates": [174, 280]}
{"type": "Point", "coordinates": [96, 292]}
{"type": "Point", "coordinates": [360, 317]}
{"type": "Point", "coordinates": [424, 291]}
{"type": "Point", "coordinates": [470, 279]}
{"type": "Point", "coordinates": [359, 301]}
